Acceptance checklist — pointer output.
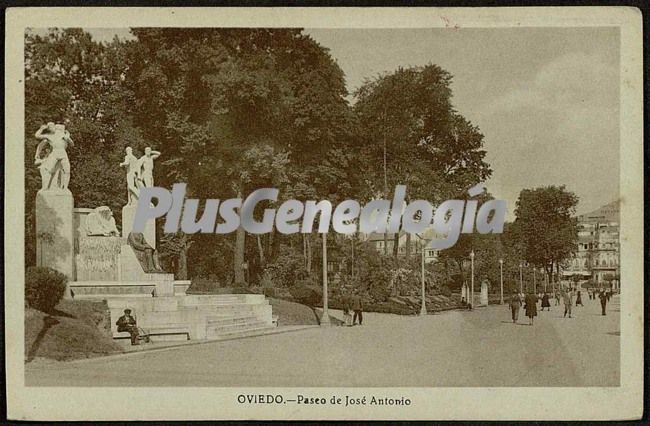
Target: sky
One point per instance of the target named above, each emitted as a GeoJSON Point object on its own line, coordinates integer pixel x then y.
{"type": "Point", "coordinates": [546, 99]}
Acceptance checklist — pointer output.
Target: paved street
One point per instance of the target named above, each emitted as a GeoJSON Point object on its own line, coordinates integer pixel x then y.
{"type": "Point", "coordinates": [480, 348]}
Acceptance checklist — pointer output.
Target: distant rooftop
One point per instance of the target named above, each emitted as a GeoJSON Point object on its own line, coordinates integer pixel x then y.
{"type": "Point", "coordinates": [607, 213]}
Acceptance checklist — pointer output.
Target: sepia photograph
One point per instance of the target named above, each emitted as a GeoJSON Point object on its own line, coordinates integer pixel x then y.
{"type": "Point", "coordinates": [309, 218]}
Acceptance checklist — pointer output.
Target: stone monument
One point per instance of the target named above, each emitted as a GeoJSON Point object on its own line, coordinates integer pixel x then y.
{"type": "Point", "coordinates": [100, 221]}
{"type": "Point", "coordinates": [101, 264]}
{"type": "Point", "coordinates": [54, 202]}
{"type": "Point", "coordinates": [142, 173]}
{"type": "Point", "coordinates": [132, 176]}
{"type": "Point", "coordinates": [54, 166]}
{"type": "Point", "coordinates": [484, 293]}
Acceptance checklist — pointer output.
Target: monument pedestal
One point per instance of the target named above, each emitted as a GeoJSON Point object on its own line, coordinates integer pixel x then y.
{"type": "Point", "coordinates": [128, 217]}
{"type": "Point", "coordinates": [55, 231]}
{"type": "Point", "coordinates": [484, 295]}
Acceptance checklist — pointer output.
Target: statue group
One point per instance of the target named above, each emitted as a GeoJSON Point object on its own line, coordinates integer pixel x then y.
{"type": "Point", "coordinates": [139, 172]}
{"type": "Point", "coordinates": [55, 212]}
{"type": "Point", "coordinates": [54, 165]}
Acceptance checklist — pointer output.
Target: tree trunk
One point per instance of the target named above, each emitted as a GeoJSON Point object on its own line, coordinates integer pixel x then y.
{"type": "Point", "coordinates": [352, 260]}
{"type": "Point", "coordinates": [238, 262]}
{"type": "Point", "coordinates": [396, 244]}
{"type": "Point", "coordinates": [238, 258]}
{"type": "Point", "coordinates": [260, 249]}
{"type": "Point", "coordinates": [408, 246]}
{"type": "Point", "coordinates": [309, 252]}
{"type": "Point", "coordinates": [385, 244]}
{"type": "Point", "coordinates": [182, 258]}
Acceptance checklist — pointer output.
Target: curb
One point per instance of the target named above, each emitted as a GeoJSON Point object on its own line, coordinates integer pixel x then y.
{"type": "Point", "coordinates": [165, 348]}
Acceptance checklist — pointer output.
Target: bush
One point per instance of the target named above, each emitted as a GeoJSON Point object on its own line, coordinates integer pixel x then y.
{"type": "Point", "coordinates": [203, 285]}
{"type": "Point", "coordinates": [306, 295]}
{"type": "Point", "coordinates": [269, 291]}
{"type": "Point", "coordinates": [44, 288]}
{"type": "Point", "coordinates": [445, 291]}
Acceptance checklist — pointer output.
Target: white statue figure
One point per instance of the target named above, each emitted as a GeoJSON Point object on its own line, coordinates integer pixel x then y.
{"type": "Point", "coordinates": [56, 163]}
{"type": "Point", "coordinates": [132, 176]}
{"type": "Point", "coordinates": [145, 167]}
{"type": "Point", "coordinates": [101, 222]}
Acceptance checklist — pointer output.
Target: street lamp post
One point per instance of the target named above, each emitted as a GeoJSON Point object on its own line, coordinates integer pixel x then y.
{"type": "Point", "coordinates": [325, 319]}
{"type": "Point", "coordinates": [501, 273]}
{"type": "Point", "coordinates": [521, 277]}
{"type": "Point", "coordinates": [534, 280]}
{"type": "Point", "coordinates": [423, 309]}
{"type": "Point", "coordinates": [471, 256]}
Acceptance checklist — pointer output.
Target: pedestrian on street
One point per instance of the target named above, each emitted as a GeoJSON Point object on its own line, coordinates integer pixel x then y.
{"type": "Point", "coordinates": [568, 301]}
{"type": "Point", "coordinates": [531, 307]}
{"type": "Point", "coordinates": [603, 302]}
{"type": "Point", "coordinates": [546, 303]}
{"type": "Point", "coordinates": [609, 295]}
{"type": "Point", "coordinates": [515, 304]}
{"type": "Point", "coordinates": [357, 307]}
{"type": "Point", "coordinates": [557, 298]}
{"type": "Point", "coordinates": [347, 311]}
{"type": "Point", "coordinates": [579, 299]}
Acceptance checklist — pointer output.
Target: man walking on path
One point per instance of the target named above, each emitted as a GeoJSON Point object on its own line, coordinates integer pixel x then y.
{"type": "Point", "coordinates": [568, 301]}
{"type": "Point", "coordinates": [603, 301]}
{"type": "Point", "coordinates": [531, 307]}
{"type": "Point", "coordinates": [515, 304]}
{"type": "Point", "coordinates": [357, 307]}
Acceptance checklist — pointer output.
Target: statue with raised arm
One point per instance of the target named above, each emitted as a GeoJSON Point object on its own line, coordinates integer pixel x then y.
{"type": "Point", "coordinates": [54, 167]}
{"type": "Point", "coordinates": [132, 176]}
{"type": "Point", "coordinates": [145, 167]}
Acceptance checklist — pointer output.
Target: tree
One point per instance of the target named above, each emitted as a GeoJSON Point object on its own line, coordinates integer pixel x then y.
{"type": "Point", "coordinates": [233, 104]}
{"type": "Point", "coordinates": [546, 227]}
{"type": "Point", "coordinates": [410, 134]}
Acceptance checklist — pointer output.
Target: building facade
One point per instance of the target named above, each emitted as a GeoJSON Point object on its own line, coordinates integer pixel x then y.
{"type": "Point", "coordinates": [417, 245]}
{"type": "Point", "coordinates": [598, 255]}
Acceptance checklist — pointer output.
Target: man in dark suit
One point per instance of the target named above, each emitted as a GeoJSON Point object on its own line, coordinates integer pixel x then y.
{"type": "Point", "coordinates": [603, 301]}
{"type": "Point", "coordinates": [127, 323]}
{"type": "Point", "coordinates": [357, 307]}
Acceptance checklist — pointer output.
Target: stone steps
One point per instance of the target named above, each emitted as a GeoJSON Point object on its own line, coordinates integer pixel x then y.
{"type": "Point", "coordinates": [224, 320]}
{"type": "Point", "coordinates": [247, 332]}
{"type": "Point", "coordinates": [242, 326]}
{"type": "Point", "coordinates": [206, 316]}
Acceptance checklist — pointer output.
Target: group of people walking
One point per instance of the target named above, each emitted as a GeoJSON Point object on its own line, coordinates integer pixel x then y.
{"type": "Point", "coordinates": [353, 309]}
{"type": "Point", "coordinates": [529, 302]}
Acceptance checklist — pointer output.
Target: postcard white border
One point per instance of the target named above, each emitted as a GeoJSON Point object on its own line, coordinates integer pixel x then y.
{"type": "Point", "coordinates": [50, 403]}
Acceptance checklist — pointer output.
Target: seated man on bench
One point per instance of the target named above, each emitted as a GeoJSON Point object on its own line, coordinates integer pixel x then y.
{"type": "Point", "coordinates": [127, 323]}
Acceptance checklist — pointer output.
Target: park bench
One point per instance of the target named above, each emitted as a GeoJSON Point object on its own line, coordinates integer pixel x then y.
{"type": "Point", "coordinates": [161, 330]}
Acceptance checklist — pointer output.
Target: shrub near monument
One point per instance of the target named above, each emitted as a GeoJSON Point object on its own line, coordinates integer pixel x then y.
{"type": "Point", "coordinates": [44, 287]}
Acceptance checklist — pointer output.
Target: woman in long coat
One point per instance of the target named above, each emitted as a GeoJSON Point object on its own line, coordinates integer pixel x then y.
{"type": "Point", "coordinates": [531, 307]}
{"type": "Point", "coordinates": [546, 303]}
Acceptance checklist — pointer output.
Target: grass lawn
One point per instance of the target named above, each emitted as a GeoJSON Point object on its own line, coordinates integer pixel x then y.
{"type": "Point", "coordinates": [75, 329]}
{"type": "Point", "coordinates": [292, 313]}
